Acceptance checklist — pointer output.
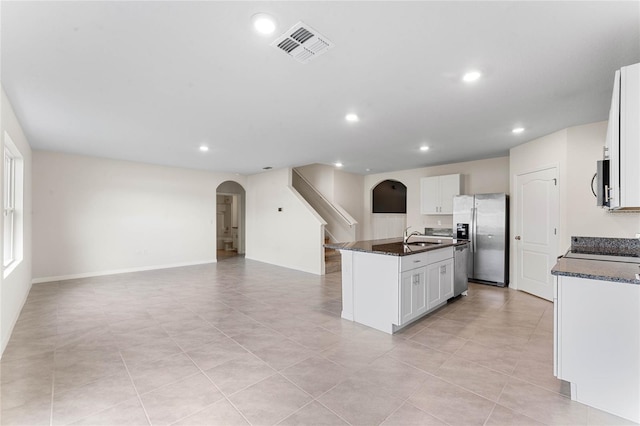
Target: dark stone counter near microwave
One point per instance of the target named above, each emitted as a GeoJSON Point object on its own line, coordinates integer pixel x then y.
{"type": "Point", "coordinates": [623, 271]}
{"type": "Point", "coordinates": [598, 270]}
{"type": "Point", "coordinates": [396, 246]}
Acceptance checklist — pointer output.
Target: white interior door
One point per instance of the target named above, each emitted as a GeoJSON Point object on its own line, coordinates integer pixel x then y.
{"type": "Point", "coordinates": [536, 231]}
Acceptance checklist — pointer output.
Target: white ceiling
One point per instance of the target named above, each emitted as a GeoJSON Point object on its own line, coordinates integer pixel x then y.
{"type": "Point", "coordinates": [152, 81]}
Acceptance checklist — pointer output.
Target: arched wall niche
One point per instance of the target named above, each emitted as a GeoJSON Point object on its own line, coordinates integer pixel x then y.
{"type": "Point", "coordinates": [389, 196]}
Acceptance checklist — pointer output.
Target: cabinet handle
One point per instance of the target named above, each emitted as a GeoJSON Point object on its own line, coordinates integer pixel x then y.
{"type": "Point", "coordinates": [417, 261]}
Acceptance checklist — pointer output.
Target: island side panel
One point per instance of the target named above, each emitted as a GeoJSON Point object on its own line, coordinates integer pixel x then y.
{"type": "Point", "coordinates": [599, 343]}
{"type": "Point", "coordinates": [375, 290]}
{"type": "Point", "coordinates": [347, 284]}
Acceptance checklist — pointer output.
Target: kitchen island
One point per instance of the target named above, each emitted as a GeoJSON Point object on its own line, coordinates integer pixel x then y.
{"type": "Point", "coordinates": [387, 284]}
{"type": "Point", "coordinates": [597, 325]}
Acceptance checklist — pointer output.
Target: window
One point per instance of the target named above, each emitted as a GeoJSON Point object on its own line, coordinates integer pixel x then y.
{"type": "Point", "coordinates": [9, 207]}
{"type": "Point", "coordinates": [12, 206]}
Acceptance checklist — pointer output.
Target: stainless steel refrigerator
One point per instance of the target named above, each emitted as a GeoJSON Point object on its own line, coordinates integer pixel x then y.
{"type": "Point", "coordinates": [483, 219]}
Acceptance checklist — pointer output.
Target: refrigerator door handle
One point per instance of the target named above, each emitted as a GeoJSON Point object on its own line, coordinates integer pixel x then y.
{"type": "Point", "coordinates": [472, 231]}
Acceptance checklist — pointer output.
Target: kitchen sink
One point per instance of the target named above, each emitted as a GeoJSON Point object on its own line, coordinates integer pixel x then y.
{"type": "Point", "coordinates": [423, 244]}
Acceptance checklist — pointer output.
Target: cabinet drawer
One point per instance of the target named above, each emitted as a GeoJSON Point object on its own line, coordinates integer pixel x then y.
{"type": "Point", "coordinates": [439, 255]}
{"type": "Point", "coordinates": [413, 261]}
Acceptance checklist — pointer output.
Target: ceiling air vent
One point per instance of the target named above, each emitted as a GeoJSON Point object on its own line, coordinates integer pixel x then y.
{"type": "Point", "coordinates": [302, 43]}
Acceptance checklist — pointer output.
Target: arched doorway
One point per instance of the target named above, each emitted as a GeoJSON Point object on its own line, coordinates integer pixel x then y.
{"type": "Point", "coordinates": [230, 220]}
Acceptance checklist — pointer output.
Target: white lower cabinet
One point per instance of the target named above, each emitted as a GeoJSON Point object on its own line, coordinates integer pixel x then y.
{"type": "Point", "coordinates": [413, 294]}
{"type": "Point", "coordinates": [440, 283]}
{"type": "Point", "coordinates": [597, 343]}
{"type": "Point", "coordinates": [387, 292]}
{"type": "Point", "coordinates": [426, 287]}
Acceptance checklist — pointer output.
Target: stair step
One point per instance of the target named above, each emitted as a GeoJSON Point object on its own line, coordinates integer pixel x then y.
{"type": "Point", "coordinates": [332, 254]}
{"type": "Point", "coordinates": [330, 267]}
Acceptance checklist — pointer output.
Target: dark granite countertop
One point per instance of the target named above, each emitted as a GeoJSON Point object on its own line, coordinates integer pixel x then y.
{"type": "Point", "coordinates": [596, 258]}
{"type": "Point", "coordinates": [598, 270]}
{"type": "Point", "coordinates": [395, 246]}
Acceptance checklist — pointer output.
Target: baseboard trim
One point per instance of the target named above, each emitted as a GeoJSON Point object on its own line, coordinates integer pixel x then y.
{"type": "Point", "coordinates": [118, 271]}
{"type": "Point", "coordinates": [14, 321]}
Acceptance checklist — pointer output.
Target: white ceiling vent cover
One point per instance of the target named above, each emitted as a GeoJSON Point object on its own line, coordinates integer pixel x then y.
{"type": "Point", "coordinates": [302, 42]}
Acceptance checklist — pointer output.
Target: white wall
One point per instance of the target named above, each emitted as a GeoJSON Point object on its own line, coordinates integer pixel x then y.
{"type": "Point", "coordinates": [481, 176]}
{"type": "Point", "coordinates": [95, 216]}
{"type": "Point", "coordinates": [292, 237]}
{"type": "Point", "coordinates": [15, 287]}
{"type": "Point", "coordinates": [349, 194]}
{"type": "Point", "coordinates": [339, 187]}
{"type": "Point", "coordinates": [584, 218]}
{"type": "Point", "coordinates": [574, 151]}
{"type": "Point", "coordinates": [541, 153]}
{"type": "Point", "coordinates": [321, 177]}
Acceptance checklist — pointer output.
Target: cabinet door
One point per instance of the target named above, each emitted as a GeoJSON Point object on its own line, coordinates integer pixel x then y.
{"type": "Point", "coordinates": [433, 285]}
{"type": "Point", "coordinates": [449, 187]}
{"type": "Point", "coordinates": [429, 195]}
{"type": "Point", "coordinates": [439, 282]}
{"type": "Point", "coordinates": [420, 305]}
{"type": "Point", "coordinates": [630, 136]}
{"type": "Point", "coordinates": [413, 301]}
{"type": "Point", "coordinates": [613, 144]}
{"type": "Point", "coordinates": [406, 296]}
{"type": "Point", "coordinates": [446, 279]}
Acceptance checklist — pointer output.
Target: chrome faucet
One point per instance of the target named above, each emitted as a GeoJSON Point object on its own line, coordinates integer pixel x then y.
{"type": "Point", "coordinates": [407, 235]}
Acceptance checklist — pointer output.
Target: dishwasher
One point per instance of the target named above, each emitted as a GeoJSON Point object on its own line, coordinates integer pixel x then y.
{"type": "Point", "coordinates": [460, 280]}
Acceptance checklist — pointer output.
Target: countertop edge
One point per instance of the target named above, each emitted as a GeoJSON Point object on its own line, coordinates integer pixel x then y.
{"type": "Point", "coordinates": [366, 246]}
{"type": "Point", "coordinates": [598, 270]}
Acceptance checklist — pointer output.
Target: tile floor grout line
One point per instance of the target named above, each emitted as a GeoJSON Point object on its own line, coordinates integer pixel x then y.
{"type": "Point", "coordinates": [126, 367]}
{"type": "Point", "coordinates": [53, 380]}
{"type": "Point", "coordinates": [225, 396]}
{"type": "Point", "coordinates": [332, 411]}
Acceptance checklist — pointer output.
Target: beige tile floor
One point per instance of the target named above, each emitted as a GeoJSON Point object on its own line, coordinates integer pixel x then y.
{"type": "Point", "coordinates": [242, 342]}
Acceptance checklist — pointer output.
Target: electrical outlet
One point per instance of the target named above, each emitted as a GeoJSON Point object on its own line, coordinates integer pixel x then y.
{"type": "Point", "coordinates": [638, 235]}
{"type": "Point", "coordinates": [439, 222]}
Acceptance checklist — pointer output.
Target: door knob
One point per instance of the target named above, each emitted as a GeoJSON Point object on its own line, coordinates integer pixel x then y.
{"type": "Point", "coordinates": [518, 237]}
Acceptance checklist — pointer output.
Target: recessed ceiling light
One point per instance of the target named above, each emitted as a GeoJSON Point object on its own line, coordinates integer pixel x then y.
{"type": "Point", "coordinates": [352, 118]}
{"type": "Point", "coordinates": [518, 130]}
{"type": "Point", "coordinates": [263, 23]}
{"type": "Point", "coordinates": [367, 170]}
{"type": "Point", "coordinates": [338, 164]}
{"type": "Point", "coordinates": [204, 148]}
{"type": "Point", "coordinates": [471, 76]}
{"type": "Point", "coordinates": [424, 148]}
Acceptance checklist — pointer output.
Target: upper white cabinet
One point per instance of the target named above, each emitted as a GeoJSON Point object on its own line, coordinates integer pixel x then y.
{"type": "Point", "coordinates": [623, 140]}
{"type": "Point", "coordinates": [437, 192]}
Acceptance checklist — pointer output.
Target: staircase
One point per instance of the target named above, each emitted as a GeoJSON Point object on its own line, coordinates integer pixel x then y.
{"type": "Point", "coordinates": [332, 259]}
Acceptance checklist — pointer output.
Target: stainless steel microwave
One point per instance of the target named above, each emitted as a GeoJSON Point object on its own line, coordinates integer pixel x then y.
{"type": "Point", "coordinates": [603, 186]}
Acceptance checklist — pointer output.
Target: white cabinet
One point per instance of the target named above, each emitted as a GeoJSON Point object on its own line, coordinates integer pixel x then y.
{"type": "Point", "coordinates": [413, 294]}
{"type": "Point", "coordinates": [387, 292]}
{"type": "Point", "coordinates": [597, 343]}
{"type": "Point", "coordinates": [427, 286]}
{"type": "Point", "coordinates": [623, 139]}
{"type": "Point", "coordinates": [437, 192]}
{"type": "Point", "coordinates": [439, 282]}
